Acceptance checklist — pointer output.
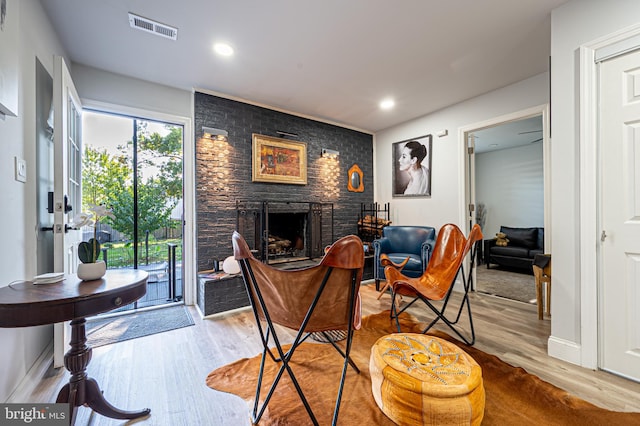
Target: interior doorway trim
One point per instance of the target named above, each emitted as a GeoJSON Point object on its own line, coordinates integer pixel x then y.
{"type": "Point", "coordinates": [466, 191]}
{"type": "Point", "coordinates": [590, 226]}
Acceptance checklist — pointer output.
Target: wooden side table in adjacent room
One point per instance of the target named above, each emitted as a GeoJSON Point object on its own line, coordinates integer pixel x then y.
{"type": "Point", "coordinates": [542, 272]}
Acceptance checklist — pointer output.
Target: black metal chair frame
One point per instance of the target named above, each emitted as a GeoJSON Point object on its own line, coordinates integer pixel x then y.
{"type": "Point", "coordinates": [301, 336]}
{"type": "Point", "coordinates": [467, 281]}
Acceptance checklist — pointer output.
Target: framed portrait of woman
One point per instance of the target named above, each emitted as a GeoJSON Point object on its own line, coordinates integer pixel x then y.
{"type": "Point", "coordinates": [412, 167]}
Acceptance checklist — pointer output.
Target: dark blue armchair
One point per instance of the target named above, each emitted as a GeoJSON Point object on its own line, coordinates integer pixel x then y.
{"type": "Point", "coordinates": [400, 242]}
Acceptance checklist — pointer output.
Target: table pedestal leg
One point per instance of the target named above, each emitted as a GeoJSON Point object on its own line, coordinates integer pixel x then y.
{"type": "Point", "coordinates": [82, 390]}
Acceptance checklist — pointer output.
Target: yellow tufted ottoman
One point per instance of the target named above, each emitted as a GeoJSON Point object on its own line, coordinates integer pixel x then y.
{"type": "Point", "coordinates": [419, 379]}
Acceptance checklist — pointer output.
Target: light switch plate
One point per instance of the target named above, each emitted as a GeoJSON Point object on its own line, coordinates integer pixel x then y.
{"type": "Point", "coordinates": [21, 169]}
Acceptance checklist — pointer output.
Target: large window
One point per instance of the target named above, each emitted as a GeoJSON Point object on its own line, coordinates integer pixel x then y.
{"type": "Point", "coordinates": [134, 167]}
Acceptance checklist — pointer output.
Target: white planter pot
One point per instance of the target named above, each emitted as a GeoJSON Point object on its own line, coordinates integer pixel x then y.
{"type": "Point", "coordinates": [92, 271]}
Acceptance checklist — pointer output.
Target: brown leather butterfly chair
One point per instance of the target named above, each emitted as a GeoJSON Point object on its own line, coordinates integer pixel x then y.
{"type": "Point", "coordinates": [318, 299]}
{"type": "Point", "coordinates": [436, 283]}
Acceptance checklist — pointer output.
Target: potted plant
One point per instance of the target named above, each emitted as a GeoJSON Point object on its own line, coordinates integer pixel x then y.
{"type": "Point", "coordinates": [89, 251]}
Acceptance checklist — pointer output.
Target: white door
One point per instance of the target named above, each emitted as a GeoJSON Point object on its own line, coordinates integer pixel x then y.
{"type": "Point", "coordinates": [472, 205]}
{"type": "Point", "coordinates": [620, 206]}
{"type": "Point", "coordinates": [471, 180]}
{"type": "Point", "coordinates": [67, 196]}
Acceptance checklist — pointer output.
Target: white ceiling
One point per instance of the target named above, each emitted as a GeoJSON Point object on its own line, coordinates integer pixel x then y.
{"type": "Point", "coordinates": [334, 60]}
{"type": "Point", "coordinates": [509, 135]}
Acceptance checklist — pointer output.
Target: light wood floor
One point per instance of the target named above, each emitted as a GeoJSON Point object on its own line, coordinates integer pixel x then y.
{"type": "Point", "coordinates": [166, 372]}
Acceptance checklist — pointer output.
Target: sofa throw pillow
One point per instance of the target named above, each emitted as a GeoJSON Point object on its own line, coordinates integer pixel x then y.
{"type": "Point", "coordinates": [521, 237]}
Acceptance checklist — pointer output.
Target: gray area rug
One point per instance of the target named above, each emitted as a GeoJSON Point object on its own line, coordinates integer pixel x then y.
{"type": "Point", "coordinates": [506, 283]}
{"type": "Point", "coordinates": [105, 331]}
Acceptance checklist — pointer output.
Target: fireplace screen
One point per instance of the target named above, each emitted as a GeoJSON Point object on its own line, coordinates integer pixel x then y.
{"type": "Point", "coordinates": [285, 231]}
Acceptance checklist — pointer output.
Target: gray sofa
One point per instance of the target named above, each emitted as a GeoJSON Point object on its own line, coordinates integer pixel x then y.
{"type": "Point", "coordinates": [524, 244]}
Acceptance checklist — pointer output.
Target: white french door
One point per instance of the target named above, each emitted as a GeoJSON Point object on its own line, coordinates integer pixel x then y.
{"type": "Point", "coordinates": [620, 214]}
{"type": "Point", "coordinates": [67, 139]}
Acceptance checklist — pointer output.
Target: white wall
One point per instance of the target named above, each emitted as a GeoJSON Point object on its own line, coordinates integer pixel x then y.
{"type": "Point", "coordinates": [116, 89]}
{"type": "Point", "coordinates": [21, 347]}
{"type": "Point", "coordinates": [575, 23]}
{"type": "Point", "coordinates": [510, 183]}
{"type": "Point", "coordinates": [446, 203]}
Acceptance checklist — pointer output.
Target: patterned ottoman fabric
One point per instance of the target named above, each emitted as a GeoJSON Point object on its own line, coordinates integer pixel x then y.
{"type": "Point", "coordinates": [419, 379]}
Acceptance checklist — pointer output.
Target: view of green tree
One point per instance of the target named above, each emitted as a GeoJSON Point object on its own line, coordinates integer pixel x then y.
{"type": "Point", "coordinates": [153, 212]}
{"type": "Point", "coordinates": [108, 180]}
{"type": "Point", "coordinates": [102, 175]}
{"type": "Point", "coordinates": [165, 153]}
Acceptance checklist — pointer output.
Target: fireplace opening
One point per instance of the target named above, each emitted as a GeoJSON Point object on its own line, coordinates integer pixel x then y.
{"type": "Point", "coordinates": [287, 235]}
{"type": "Point", "coordinates": [285, 231]}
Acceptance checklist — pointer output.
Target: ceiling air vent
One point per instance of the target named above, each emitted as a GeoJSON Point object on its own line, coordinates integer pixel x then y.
{"type": "Point", "coordinates": [144, 24]}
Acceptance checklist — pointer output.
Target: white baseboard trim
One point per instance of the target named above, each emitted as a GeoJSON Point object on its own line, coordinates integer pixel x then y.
{"type": "Point", "coordinates": [565, 350]}
{"type": "Point", "coordinates": [230, 311]}
{"type": "Point", "coordinates": [30, 381]}
{"type": "Point", "coordinates": [200, 313]}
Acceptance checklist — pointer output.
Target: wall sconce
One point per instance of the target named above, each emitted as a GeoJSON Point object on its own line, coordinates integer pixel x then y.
{"type": "Point", "coordinates": [213, 133]}
{"type": "Point", "coordinates": [330, 153]}
{"type": "Point", "coordinates": [286, 134]}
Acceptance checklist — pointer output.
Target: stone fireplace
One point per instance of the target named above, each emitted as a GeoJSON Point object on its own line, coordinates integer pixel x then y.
{"type": "Point", "coordinates": [227, 198]}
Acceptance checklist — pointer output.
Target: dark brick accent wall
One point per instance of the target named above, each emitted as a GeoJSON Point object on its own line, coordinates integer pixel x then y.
{"type": "Point", "coordinates": [216, 296]}
{"type": "Point", "coordinates": [223, 170]}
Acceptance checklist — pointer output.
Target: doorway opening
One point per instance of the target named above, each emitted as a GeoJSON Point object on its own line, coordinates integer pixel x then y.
{"type": "Point", "coordinates": [134, 167]}
{"type": "Point", "coordinates": [507, 187]}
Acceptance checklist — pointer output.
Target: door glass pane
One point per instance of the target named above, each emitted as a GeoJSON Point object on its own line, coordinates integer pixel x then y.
{"type": "Point", "coordinates": [159, 206]}
{"type": "Point", "coordinates": [73, 157]}
{"type": "Point", "coordinates": [134, 167]}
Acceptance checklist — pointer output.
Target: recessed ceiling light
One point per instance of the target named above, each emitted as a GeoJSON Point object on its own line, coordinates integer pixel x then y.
{"type": "Point", "coordinates": [223, 49]}
{"type": "Point", "coordinates": [387, 104]}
